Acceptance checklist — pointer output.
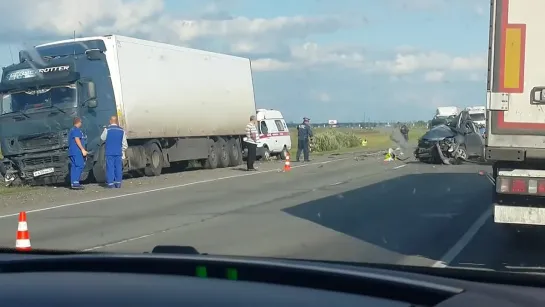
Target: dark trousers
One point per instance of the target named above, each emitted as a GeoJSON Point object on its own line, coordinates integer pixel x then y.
{"type": "Point", "coordinates": [77, 163]}
{"type": "Point", "coordinates": [252, 151]}
{"type": "Point", "coordinates": [303, 145]}
{"type": "Point", "coordinates": [114, 171]}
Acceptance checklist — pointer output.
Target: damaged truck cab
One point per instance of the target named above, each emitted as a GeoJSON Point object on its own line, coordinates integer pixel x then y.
{"type": "Point", "coordinates": [175, 104]}
{"type": "Point", "coordinates": [41, 95]}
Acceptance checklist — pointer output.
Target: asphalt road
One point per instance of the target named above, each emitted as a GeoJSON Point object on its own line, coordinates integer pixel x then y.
{"type": "Point", "coordinates": [346, 207]}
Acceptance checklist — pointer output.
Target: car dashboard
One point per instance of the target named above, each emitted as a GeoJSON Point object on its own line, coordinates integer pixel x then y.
{"type": "Point", "coordinates": [192, 279]}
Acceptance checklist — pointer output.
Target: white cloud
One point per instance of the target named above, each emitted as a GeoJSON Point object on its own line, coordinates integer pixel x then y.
{"type": "Point", "coordinates": [148, 18]}
{"type": "Point", "coordinates": [312, 55]}
{"type": "Point", "coordinates": [270, 65]}
{"type": "Point", "coordinates": [480, 10]}
{"type": "Point", "coordinates": [434, 76]}
{"type": "Point", "coordinates": [434, 65]}
{"type": "Point", "coordinates": [411, 63]}
{"type": "Point", "coordinates": [241, 35]}
{"type": "Point", "coordinates": [321, 96]}
{"type": "Point", "coordinates": [477, 77]}
{"type": "Point", "coordinates": [420, 4]}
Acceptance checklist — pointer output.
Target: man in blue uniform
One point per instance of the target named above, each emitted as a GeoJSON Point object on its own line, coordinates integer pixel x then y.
{"type": "Point", "coordinates": [77, 154]}
{"type": "Point", "coordinates": [115, 145]}
{"type": "Point", "coordinates": [304, 133]}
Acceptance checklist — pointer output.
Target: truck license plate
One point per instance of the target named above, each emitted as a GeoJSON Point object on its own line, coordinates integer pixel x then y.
{"type": "Point", "coordinates": [519, 215]}
{"type": "Point", "coordinates": [44, 172]}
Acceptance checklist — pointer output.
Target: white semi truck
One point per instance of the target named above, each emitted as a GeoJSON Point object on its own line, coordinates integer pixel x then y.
{"type": "Point", "coordinates": [515, 141]}
{"type": "Point", "coordinates": [176, 105]}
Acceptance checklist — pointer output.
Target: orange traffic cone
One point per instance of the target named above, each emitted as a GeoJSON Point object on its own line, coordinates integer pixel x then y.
{"type": "Point", "coordinates": [287, 165]}
{"type": "Point", "coordinates": [22, 243]}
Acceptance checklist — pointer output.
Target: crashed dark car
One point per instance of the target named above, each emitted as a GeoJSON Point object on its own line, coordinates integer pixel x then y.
{"type": "Point", "coordinates": [451, 143]}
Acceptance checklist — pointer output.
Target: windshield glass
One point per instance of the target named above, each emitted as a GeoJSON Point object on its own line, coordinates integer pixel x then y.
{"type": "Point", "coordinates": [477, 116]}
{"type": "Point", "coordinates": [27, 100]}
{"type": "Point", "coordinates": [268, 128]}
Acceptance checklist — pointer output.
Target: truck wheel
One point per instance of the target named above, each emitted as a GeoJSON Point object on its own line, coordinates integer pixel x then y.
{"type": "Point", "coordinates": [212, 161]}
{"type": "Point", "coordinates": [223, 153]}
{"type": "Point", "coordinates": [235, 152]}
{"type": "Point", "coordinates": [156, 160]}
{"type": "Point", "coordinates": [99, 168]}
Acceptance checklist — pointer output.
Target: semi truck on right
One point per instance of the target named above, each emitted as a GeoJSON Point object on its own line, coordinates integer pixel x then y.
{"type": "Point", "coordinates": [515, 140]}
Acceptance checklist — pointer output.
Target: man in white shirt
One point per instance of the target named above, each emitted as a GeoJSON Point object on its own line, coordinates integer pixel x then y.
{"type": "Point", "coordinates": [251, 140]}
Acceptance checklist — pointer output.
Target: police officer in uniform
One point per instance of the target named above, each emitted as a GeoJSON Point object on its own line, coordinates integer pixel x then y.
{"type": "Point", "coordinates": [77, 154]}
{"type": "Point", "coordinates": [115, 145]}
{"type": "Point", "coordinates": [304, 133]}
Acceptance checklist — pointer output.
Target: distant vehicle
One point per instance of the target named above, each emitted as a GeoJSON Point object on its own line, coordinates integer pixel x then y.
{"type": "Point", "coordinates": [274, 135]}
{"type": "Point", "coordinates": [443, 115]}
{"type": "Point", "coordinates": [176, 104]}
{"type": "Point", "coordinates": [478, 115]}
{"type": "Point", "coordinates": [451, 143]}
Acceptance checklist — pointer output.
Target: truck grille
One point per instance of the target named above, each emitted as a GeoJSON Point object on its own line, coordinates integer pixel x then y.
{"type": "Point", "coordinates": [37, 142]}
{"type": "Point", "coordinates": [41, 160]}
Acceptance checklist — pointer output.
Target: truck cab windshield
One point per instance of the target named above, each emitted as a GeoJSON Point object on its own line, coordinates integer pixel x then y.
{"type": "Point", "coordinates": [28, 100]}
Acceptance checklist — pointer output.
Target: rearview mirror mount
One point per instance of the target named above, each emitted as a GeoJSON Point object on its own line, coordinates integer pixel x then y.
{"type": "Point", "coordinates": [92, 103]}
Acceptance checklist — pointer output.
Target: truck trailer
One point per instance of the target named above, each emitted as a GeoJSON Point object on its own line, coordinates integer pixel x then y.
{"type": "Point", "coordinates": [176, 105]}
{"type": "Point", "coordinates": [515, 140]}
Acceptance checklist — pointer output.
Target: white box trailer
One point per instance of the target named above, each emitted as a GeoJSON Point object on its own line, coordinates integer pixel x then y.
{"type": "Point", "coordinates": [447, 111]}
{"type": "Point", "coordinates": [515, 141]}
{"type": "Point", "coordinates": [176, 104]}
{"type": "Point", "coordinates": [167, 91]}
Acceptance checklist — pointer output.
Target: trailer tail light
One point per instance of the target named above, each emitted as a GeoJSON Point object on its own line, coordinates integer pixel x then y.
{"type": "Point", "coordinates": [502, 185]}
{"type": "Point", "coordinates": [518, 186]}
{"type": "Point", "coordinates": [541, 187]}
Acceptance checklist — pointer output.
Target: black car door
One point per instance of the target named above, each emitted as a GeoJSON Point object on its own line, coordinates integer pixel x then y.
{"type": "Point", "coordinates": [473, 140]}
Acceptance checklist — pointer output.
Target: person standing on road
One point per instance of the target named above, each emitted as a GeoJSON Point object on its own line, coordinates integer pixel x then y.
{"type": "Point", "coordinates": [251, 140]}
{"type": "Point", "coordinates": [77, 154]}
{"type": "Point", "coordinates": [304, 133]}
{"type": "Point", "coordinates": [405, 132]}
{"type": "Point", "coordinates": [115, 145]}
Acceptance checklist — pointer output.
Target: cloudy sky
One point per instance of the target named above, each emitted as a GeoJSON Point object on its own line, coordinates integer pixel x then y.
{"type": "Point", "coordinates": [326, 59]}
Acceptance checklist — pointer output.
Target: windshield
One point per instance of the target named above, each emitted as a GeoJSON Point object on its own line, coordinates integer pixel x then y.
{"type": "Point", "coordinates": [268, 128]}
{"type": "Point", "coordinates": [22, 101]}
{"type": "Point", "coordinates": [477, 116]}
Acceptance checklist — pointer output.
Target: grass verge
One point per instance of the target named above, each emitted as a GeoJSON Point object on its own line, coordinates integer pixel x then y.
{"type": "Point", "coordinates": [6, 191]}
{"type": "Point", "coordinates": [339, 140]}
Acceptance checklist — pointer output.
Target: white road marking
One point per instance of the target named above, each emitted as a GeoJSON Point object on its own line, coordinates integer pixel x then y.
{"type": "Point", "coordinates": [455, 250]}
{"type": "Point", "coordinates": [400, 166]}
{"type": "Point", "coordinates": [165, 230]}
{"type": "Point", "coordinates": [125, 241]}
{"type": "Point", "coordinates": [165, 188]}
